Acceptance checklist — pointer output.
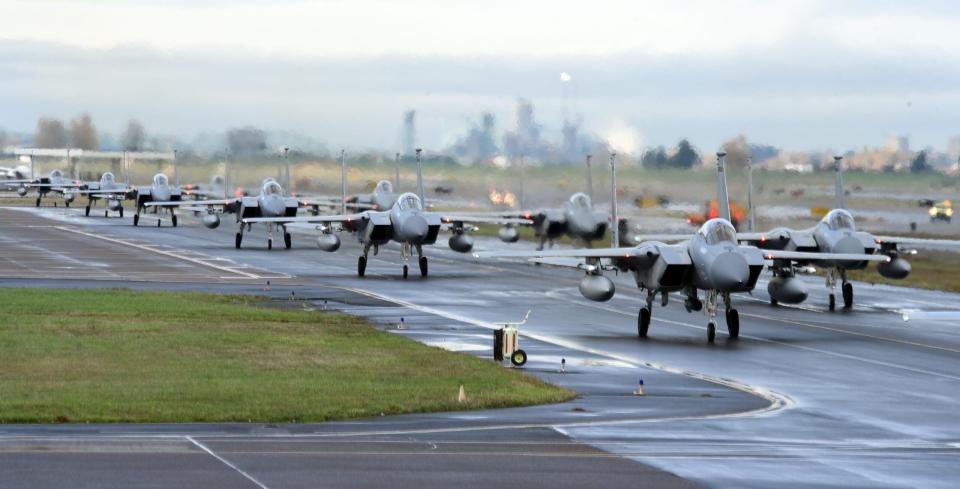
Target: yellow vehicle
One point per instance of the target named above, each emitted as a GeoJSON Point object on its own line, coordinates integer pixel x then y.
{"type": "Point", "coordinates": [942, 211]}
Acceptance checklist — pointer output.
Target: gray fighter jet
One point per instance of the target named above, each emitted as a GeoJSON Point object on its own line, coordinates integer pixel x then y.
{"type": "Point", "coordinates": [54, 183]}
{"type": "Point", "coordinates": [576, 219]}
{"type": "Point", "coordinates": [270, 204]}
{"type": "Point", "coordinates": [835, 233]}
{"type": "Point", "coordinates": [711, 260]}
{"type": "Point", "coordinates": [159, 190]}
{"type": "Point", "coordinates": [406, 222]}
{"type": "Point", "coordinates": [107, 189]}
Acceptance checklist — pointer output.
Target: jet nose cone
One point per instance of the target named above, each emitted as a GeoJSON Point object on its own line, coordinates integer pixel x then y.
{"type": "Point", "coordinates": [415, 229]}
{"type": "Point", "coordinates": [848, 244]}
{"type": "Point", "coordinates": [730, 272]}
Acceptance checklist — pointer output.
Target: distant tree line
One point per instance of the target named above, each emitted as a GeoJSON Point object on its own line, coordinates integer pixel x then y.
{"type": "Point", "coordinates": [684, 156]}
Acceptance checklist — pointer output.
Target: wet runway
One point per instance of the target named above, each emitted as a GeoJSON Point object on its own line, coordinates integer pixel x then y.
{"type": "Point", "coordinates": [805, 397]}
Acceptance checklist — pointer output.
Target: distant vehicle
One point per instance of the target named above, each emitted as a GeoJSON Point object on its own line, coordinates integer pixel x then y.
{"type": "Point", "coordinates": [941, 211]}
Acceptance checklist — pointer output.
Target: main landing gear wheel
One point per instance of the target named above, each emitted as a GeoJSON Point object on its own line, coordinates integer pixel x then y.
{"type": "Point", "coordinates": [832, 302]}
{"type": "Point", "coordinates": [38, 201]}
{"type": "Point", "coordinates": [406, 271]}
{"type": "Point", "coordinates": [269, 243]}
{"type": "Point", "coordinates": [66, 203]}
{"type": "Point", "coordinates": [643, 322]}
{"type": "Point", "coordinates": [106, 213]}
{"type": "Point", "coordinates": [423, 266]}
{"type": "Point", "coordinates": [287, 240]}
{"type": "Point", "coordinates": [238, 240]}
{"type": "Point", "coordinates": [711, 332]}
{"type": "Point", "coordinates": [733, 323]}
{"type": "Point", "coordinates": [88, 211]}
{"type": "Point", "coordinates": [519, 358]}
{"type": "Point", "coordinates": [361, 265]}
{"type": "Point", "coordinates": [121, 212]}
{"type": "Point", "coordinates": [136, 219]}
{"type": "Point", "coordinates": [773, 302]}
{"type": "Point", "coordinates": [173, 219]}
{"type": "Point", "coordinates": [847, 295]}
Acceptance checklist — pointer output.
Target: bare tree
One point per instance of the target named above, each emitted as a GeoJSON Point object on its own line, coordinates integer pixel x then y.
{"type": "Point", "coordinates": [51, 133]}
{"type": "Point", "coordinates": [246, 140]}
{"type": "Point", "coordinates": [83, 134]}
{"type": "Point", "coordinates": [133, 136]}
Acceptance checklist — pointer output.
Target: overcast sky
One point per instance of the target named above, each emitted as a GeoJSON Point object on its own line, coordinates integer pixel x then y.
{"type": "Point", "coordinates": [800, 75]}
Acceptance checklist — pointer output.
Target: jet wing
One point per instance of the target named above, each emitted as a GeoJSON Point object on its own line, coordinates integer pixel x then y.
{"type": "Point", "coordinates": [577, 253]}
{"type": "Point", "coordinates": [344, 218]}
{"type": "Point", "coordinates": [666, 238]}
{"type": "Point", "coordinates": [918, 242]}
{"type": "Point", "coordinates": [448, 218]}
{"type": "Point", "coordinates": [188, 203]}
{"type": "Point", "coordinates": [806, 255]}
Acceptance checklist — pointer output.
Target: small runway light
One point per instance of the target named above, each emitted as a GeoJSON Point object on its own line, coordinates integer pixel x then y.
{"type": "Point", "coordinates": [563, 365]}
{"type": "Point", "coordinates": [462, 395]}
{"type": "Point", "coordinates": [293, 295]}
{"type": "Point", "coordinates": [324, 304]}
{"type": "Point", "coordinates": [401, 324]}
{"type": "Point", "coordinates": [267, 286]}
{"type": "Point", "coordinates": [639, 391]}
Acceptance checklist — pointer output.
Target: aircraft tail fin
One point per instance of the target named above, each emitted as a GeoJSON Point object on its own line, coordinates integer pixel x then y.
{"type": "Point", "coordinates": [396, 180]}
{"type": "Point", "coordinates": [343, 182]}
{"type": "Point", "coordinates": [614, 218]}
{"type": "Point", "coordinates": [286, 171]}
{"type": "Point", "coordinates": [723, 200]}
{"type": "Point", "coordinates": [838, 168]}
{"type": "Point", "coordinates": [420, 177]}
{"type": "Point", "coordinates": [226, 176]}
{"type": "Point", "coordinates": [589, 179]}
{"type": "Point", "coordinates": [176, 173]}
{"type": "Point", "coordinates": [750, 214]}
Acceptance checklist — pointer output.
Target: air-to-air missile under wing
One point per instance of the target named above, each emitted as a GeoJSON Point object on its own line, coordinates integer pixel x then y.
{"type": "Point", "coordinates": [711, 260]}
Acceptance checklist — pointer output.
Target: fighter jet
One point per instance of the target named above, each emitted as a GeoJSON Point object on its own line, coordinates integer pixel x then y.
{"type": "Point", "coordinates": [711, 260]}
{"type": "Point", "coordinates": [406, 223]}
{"type": "Point", "coordinates": [269, 204]}
{"type": "Point", "coordinates": [576, 219]}
{"type": "Point", "coordinates": [835, 233]}
{"type": "Point", "coordinates": [106, 189]}
{"type": "Point", "coordinates": [55, 182]}
{"type": "Point", "coordinates": [158, 191]}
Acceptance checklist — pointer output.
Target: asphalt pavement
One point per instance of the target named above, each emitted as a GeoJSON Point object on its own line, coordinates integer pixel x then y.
{"type": "Point", "coordinates": [805, 397]}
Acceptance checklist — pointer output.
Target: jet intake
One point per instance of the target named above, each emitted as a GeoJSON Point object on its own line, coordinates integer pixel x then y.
{"type": "Point", "coordinates": [787, 290]}
{"type": "Point", "coordinates": [21, 191]}
{"type": "Point", "coordinates": [328, 242]}
{"type": "Point", "coordinates": [114, 205]}
{"type": "Point", "coordinates": [508, 234]}
{"type": "Point", "coordinates": [211, 221]}
{"type": "Point", "coordinates": [597, 288]}
{"type": "Point", "coordinates": [896, 268]}
{"type": "Point", "coordinates": [461, 242]}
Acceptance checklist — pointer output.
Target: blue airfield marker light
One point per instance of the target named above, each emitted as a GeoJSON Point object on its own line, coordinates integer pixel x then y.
{"type": "Point", "coordinates": [639, 391]}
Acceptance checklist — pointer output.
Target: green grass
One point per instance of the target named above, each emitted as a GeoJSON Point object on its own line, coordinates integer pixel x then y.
{"type": "Point", "coordinates": [937, 270]}
{"type": "Point", "coordinates": [125, 356]}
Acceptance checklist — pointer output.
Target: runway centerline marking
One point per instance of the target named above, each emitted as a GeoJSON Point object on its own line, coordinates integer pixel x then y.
{"type": "Point", "coordinates": [226, 462]}
{"type": "Point", "coordinates": [162, 252]}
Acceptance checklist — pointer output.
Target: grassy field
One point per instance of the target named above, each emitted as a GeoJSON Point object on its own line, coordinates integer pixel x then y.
{"type": "Point", "coordinates": [124, 356]}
